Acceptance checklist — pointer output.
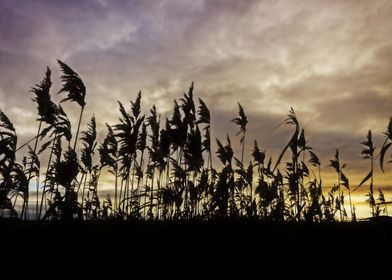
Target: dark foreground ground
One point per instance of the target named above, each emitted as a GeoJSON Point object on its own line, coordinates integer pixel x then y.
{"type": "Point", "coordinates": [195, 250]}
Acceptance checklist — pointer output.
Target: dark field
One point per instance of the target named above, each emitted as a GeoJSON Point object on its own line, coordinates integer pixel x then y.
{"type": "Point", "coordinates": [195, 249]}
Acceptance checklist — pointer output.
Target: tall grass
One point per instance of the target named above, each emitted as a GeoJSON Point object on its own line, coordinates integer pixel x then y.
{"type": "Point", "coordinates": [164, 169]}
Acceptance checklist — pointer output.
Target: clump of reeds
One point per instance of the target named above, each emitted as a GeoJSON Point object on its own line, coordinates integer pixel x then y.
{"type": "Point", "coordinates": [164, 169]}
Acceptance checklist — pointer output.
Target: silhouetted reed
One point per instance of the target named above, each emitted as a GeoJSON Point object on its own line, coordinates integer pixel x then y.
{"type": "Point", "coordinates": [164, 170]}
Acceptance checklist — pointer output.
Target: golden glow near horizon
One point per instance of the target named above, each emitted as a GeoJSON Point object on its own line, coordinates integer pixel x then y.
{"type": "Point", "coordinates": [329, 60]}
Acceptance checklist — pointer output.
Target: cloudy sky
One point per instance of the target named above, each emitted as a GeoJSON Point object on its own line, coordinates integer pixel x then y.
{"type": "Point", "coordinates": [329, 60]}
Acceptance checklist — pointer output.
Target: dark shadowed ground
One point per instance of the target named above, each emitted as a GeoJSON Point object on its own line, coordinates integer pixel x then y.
{"type": "Point", "coordinates": [195, 250]}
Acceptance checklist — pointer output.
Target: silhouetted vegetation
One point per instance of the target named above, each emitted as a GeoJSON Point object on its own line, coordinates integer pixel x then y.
{"type": "Point", "coordinates": [163, 169]}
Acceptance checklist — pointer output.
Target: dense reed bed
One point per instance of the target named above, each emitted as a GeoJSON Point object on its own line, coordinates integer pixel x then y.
{"type": "Point", "coordinates": [164, 170]}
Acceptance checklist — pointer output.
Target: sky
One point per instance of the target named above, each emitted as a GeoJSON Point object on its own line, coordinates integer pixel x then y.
{"type": "Point", "coordinates": [329, 60]}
